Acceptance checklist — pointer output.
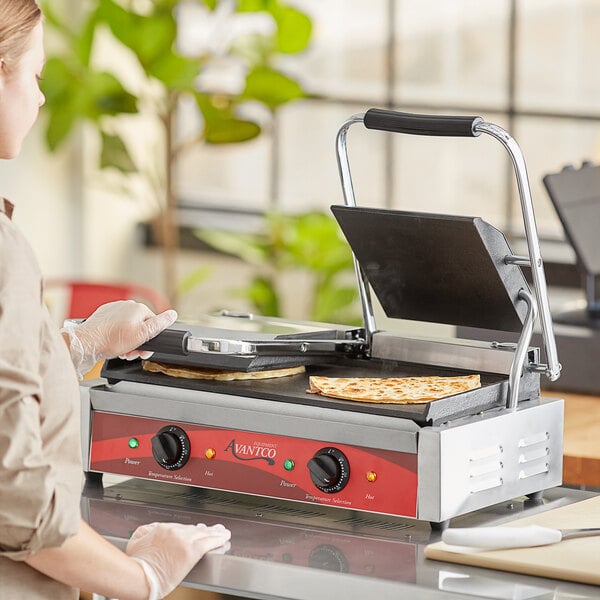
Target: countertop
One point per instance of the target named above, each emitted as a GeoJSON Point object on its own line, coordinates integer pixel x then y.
{"type": "Point", "coordinates": [581, 448]}
{"type": "Point", "coordinates": [303, 552]}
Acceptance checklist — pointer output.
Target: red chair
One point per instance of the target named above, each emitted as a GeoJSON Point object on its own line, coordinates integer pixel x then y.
{"type": "Point", "coordinates": [73, 299]}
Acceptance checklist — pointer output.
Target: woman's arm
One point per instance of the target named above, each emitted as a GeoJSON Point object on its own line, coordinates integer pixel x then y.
{"type": "Point", "coordinates": [89, 562]}
{"type": "Point", "coordinates": [167, 552]}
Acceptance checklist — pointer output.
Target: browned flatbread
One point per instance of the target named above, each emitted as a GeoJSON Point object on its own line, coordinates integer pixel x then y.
{"type": "Point", "coordinates": [217, 374]}
{"type": "Point", "coordinates": [394, 390]}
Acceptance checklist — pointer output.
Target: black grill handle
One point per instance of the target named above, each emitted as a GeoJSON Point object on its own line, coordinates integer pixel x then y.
{"type": "Point", "coordinates": [440, 125]}
{"type": "Point", "coordinates": [168, 341]}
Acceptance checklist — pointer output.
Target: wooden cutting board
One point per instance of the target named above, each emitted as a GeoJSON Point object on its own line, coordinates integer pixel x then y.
{"type": "Point", "coordinates": [572, 560]}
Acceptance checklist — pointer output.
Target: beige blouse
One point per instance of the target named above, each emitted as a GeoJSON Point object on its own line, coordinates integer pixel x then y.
{"type": "Point", "coordinates": [40, 449]}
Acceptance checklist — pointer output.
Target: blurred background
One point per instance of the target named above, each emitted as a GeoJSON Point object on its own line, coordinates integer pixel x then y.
{"type": "Point", "coordinates": [190, 146]}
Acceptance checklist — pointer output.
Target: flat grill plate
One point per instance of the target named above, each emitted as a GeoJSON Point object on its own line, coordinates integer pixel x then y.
{"type": "Point", "coordinates": [492, 394]}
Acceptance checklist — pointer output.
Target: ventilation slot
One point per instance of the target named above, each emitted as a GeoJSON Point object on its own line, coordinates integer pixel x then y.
{"type": "Point", "coordinates": [485, 469]}
{"type": "Point", "coordinates": [534, 455]}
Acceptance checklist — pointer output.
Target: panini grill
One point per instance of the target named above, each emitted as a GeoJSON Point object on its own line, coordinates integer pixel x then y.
{"type": "Point", "coordinates": [269, 437]}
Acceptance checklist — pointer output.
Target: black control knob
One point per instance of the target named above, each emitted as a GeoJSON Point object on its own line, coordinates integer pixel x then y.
{"type": "Point", "coordinates": [329, 470]}
{"type": "Point", "coordinates": [171, 447]}
{"type": "Point", "coordinates": [328, 558]}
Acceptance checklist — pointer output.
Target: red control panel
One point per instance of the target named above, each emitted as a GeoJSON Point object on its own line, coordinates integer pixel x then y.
{"type": "Point", "coordinates": [289, 468]}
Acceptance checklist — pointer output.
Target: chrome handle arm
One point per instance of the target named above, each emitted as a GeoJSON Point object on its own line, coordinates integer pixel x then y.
{"type": "Point", "coordinates": [535, 256]}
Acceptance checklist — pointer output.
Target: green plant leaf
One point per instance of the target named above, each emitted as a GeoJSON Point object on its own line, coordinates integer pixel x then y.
{"type": "Point", "coordinates": [254, 5]}
{"type": "Point", "coordinates": [148, 36]}
{"type": "Point", "coordinates": [193, 279]}
{"type": "Point", "coordinates": [331, 302]}
{"type": "Point", "coordinates": [221, 126]}
{"type": "Point", "coordinates": [309, 242]}
{"type": "Point", "coordinates": [74, 93]}
{"type": "Point", "coordinates": [271, 87]}
{"type": "Point", "coordinates": [261, 293]}
{"type": "Point", "coordinates": [211, 4]}
{"type": "Point", "coordinates": [246, 246]}
{"type": "Point", "coordinates": [294, 29]}
{"type": "Point", "coordinates": [174, 71]}
{"type": "Point", "coordinates": [115, 154]}
{"type": "Point", "coordinates": [209, 110]}
{"type": "Point", "coordinates": [57, 82]}
{"type": "Point", "coordinates": [105, 95]}
{"type": "Point", "coordinates": [63, 101]}
{"type": "Point", "coordinates": [312, 241]}
{"type": "Point", "coordinates": [230, 131]}
{"type": "Point", "coordinates": [58, 128]}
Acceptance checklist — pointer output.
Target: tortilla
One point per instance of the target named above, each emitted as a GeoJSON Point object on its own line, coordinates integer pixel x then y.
{"type": "Point", "coordinates": [393, 390]}
{"type": "Point", "coordinates": [217, 374]}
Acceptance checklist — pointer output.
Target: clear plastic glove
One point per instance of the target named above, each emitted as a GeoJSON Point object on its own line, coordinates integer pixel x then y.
{"type": "Point", "coordinates": [168, 551]}
{"type": "Point", "coordinates": [114, 329]}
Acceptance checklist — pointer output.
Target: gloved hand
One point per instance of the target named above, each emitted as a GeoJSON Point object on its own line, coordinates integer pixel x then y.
{"type": "Point", "coordinates": [114, 329]}
{"type": "Point", "coordinates": [168, 551]}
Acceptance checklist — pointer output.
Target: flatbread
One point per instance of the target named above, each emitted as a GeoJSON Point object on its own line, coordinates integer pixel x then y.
{"type": "Point", "coordinates": [393, 390]}
{"type": "Point", "coordinates": [217, 374]}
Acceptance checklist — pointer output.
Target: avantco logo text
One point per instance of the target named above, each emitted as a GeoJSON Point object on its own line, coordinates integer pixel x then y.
{"type": "Point", "coordinates": [252, 452]}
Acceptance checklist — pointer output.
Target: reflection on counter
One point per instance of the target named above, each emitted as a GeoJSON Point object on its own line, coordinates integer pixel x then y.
{"type": "Point", "coordinates": [488, 587]}
{"type": "Point", "coordinates": [290, 551]}
{"type": "Point", "coordinates": [366, 545]}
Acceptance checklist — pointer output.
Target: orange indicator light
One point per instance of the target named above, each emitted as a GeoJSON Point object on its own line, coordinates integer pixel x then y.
{"type": "Point", "coordinates": [371, 476]}
{"type": "Point", "coordinates": [210, 453]}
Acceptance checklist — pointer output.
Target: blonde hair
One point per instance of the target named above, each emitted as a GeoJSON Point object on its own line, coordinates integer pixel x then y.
{"type": "Point", "coordinates": [17, 20]}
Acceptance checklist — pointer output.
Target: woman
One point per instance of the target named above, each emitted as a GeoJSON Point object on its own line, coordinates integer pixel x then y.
{"type": "Point", "coordinates": [46, 550]}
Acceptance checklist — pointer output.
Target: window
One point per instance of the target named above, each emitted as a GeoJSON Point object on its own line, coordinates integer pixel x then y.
{"type": "Point", "coordinates": [526, 65]}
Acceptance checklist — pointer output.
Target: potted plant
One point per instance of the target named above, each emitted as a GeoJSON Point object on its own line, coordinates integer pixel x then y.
{"type": "Point", "coordinates": [218, 54]}
{"type": "Point", "coordinates": [291, 248]}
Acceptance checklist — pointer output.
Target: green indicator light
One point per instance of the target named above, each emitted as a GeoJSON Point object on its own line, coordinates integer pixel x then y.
{"type": "Point", "coordinates": [133, 443]}
{"type": "Point", "coordinates": [288, 464]}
